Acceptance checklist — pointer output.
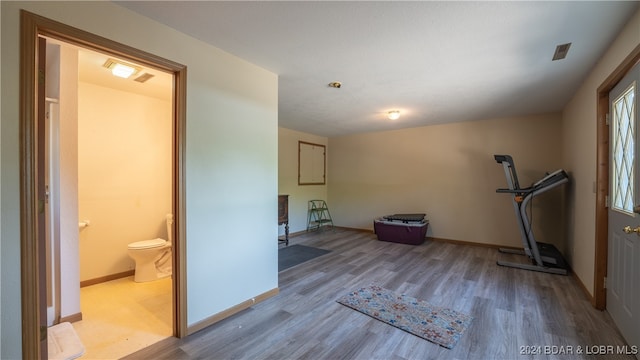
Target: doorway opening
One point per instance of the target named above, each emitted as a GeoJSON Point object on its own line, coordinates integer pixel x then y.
{"type": "Point", "coordinates": [34, 192]}
{"type": "Point", "coordinates": [108, 181]}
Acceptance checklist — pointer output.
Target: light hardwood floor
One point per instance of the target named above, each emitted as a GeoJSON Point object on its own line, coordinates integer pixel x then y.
{"type": "Point", "coordinates": [515, 311]}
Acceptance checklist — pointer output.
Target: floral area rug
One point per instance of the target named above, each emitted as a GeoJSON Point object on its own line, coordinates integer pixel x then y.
{"type": "Point", "coordinates": [437, 324]}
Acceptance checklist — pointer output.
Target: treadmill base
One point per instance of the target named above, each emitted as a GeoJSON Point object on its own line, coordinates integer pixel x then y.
{"type": "Point", "coordinates": [550, 270]}
{"type": "Point", "coordinates": [552, 260]}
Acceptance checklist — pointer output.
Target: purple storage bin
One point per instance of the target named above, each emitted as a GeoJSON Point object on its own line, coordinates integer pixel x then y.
{"type": "Point", "coordinates": [412, 232]}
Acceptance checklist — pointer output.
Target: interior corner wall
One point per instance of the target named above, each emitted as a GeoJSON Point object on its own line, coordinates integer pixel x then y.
{"type": "Point", "coordinates": [299, 195]}
{"type": "Point", "coordinates": [579, 153]}
{"type": "Point", "coordinates": [449, 173]}
{"type": "Point", "coordinates": [231, 160]}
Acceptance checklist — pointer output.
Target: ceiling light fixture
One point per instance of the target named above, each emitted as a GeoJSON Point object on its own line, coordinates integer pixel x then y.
{"type": "Point", "coordinates": [335, 84]}
{"type": "Point", "coordinates": [120, 69]}
{"type": "Point", "coordinates": [393, 114]}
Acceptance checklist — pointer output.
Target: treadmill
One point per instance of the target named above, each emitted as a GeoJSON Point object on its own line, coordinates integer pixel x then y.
{"type": "Point", "coordinates": [544, 257]}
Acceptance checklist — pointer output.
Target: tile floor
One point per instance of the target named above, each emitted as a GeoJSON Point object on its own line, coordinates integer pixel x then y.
{"type": "Point", "coordinates": [121, 316]}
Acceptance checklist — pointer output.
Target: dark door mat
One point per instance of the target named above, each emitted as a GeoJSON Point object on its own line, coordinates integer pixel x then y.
{"type": "Point", "coordinates": [297, 254]}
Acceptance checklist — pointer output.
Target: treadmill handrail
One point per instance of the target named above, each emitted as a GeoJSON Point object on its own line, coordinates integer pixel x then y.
{"type": "Point", "coordinates": [510, 165]}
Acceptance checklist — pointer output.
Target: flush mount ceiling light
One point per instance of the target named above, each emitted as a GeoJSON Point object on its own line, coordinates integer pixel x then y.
{"type": "Point", "coordinates": [121, 69]}
{"type": "Point", "coordinates": [393, 114]}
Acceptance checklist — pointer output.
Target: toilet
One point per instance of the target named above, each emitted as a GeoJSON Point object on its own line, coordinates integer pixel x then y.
{"type": "Point", "coordinates": [152, 257]}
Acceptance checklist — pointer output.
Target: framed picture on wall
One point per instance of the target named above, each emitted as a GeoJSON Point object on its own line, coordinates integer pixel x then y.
{"type": "Point", "coordinates": [311, 163]}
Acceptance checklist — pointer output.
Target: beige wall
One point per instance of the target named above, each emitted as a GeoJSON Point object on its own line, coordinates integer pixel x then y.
{"type": "Point", "coordinates": [231, 140]}
{"type": "Point", "coordinates": [299, 195]}
{"type": "Point", "coordinates": [124, 175]}
{"type": "Point", "coordinates": [449, 173]}
{"type": "Point", "coordinates": [579, 153]}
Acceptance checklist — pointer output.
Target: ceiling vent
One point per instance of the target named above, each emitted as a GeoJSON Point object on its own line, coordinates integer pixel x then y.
{"type": "Point", "coordinates": [143, 78]}
{"type": "Point", "coordinates": [561, 51]}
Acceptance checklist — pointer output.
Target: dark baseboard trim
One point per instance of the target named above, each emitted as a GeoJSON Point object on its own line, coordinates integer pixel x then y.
{"type": "Point", "coordinates": [71, 318]}
{"type": "Point", "coordinates": [355, 229]}
{"type": "Point", "coordinates": [107, 278]}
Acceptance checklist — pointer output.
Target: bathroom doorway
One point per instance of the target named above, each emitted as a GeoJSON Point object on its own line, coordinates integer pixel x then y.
{"type": "Point", "coordinates": [109, 185]}
{"type": "Point", "coordinates": [34, 194]}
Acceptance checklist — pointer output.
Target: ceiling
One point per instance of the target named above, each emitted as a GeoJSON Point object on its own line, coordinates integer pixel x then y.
{"type": "Point", "coordinates": [436, 62]}
{"type": "Point", "coordinates": [91, 70]}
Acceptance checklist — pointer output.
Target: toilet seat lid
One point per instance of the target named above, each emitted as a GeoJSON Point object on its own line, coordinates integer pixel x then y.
{"type": "Point", "coordinates": [147, 244]}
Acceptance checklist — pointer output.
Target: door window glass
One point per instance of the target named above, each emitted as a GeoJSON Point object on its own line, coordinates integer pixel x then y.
{"type": "Point", "coordinates": [623, 135]}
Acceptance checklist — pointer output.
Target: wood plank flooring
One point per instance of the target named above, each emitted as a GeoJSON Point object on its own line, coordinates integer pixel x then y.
{"type": "Point", "coordinates": [517, 313]}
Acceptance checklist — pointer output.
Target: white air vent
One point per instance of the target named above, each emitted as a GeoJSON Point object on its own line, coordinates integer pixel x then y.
{"type": "Point", "coordinates": [561, 51]}
{"type": "Point", "coordinates": [143, 78]}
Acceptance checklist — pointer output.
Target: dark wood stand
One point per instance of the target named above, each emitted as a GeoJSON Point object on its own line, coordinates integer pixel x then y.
{"type": "Point", "coordinates": [283, 217]}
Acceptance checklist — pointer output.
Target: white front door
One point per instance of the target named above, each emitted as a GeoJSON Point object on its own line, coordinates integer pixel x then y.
{"type": "Point", "coordinates": [623, 270]}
